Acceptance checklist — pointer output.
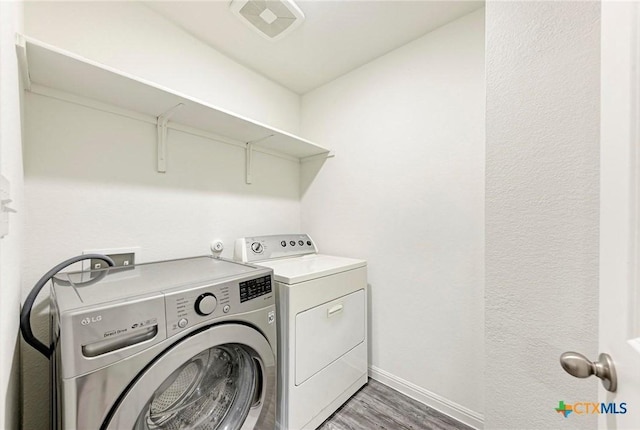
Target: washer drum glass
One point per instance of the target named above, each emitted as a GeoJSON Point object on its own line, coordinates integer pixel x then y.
{"type": "Point", "coordinates": [213, 390]}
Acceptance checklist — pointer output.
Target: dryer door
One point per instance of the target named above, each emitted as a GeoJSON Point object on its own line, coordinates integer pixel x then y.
{"type": "Point", "coordinates": [222, 377]}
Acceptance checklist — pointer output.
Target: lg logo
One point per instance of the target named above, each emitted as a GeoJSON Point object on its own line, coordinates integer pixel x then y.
{"type": "Point", "coordinates": [89, 320]}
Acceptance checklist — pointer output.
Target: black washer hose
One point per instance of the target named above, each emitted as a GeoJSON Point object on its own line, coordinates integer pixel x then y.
{"type": "Point", "coordinates": [25, 313]}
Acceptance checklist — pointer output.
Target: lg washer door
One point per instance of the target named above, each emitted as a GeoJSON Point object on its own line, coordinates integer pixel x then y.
{"type": "Point", "coordinates": [222, 377]}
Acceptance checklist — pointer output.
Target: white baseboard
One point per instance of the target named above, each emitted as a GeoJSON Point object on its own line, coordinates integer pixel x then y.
{"type": "Point", "coordinates": [447, 407]}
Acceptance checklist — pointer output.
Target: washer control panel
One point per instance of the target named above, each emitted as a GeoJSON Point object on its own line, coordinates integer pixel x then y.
{"type": "Point", "coordinates": [259, 248]}
{"type": "Point", "coordinates": [253, 288]}
{"type": "Point", "coordinates": [188, 307]}
{"type": "Point", "coordinates": [205, 304]}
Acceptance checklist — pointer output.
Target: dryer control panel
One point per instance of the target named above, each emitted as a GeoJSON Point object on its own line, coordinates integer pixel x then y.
{"type": "Point", "coordinates": [260, 248]}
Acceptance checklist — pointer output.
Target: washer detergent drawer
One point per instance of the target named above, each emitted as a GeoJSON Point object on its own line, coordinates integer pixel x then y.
{"type": "Point", "coordinates": [327, 332]}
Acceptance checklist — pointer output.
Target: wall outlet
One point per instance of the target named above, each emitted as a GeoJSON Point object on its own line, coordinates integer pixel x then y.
{"type": "Point", "coordinates": [124, 258]}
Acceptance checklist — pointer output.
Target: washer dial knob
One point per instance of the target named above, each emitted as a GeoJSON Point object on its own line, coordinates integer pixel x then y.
{"type": "Point", "coordinates": [205, 304]}
{"type": "Point", "coordinates": [257, 247]}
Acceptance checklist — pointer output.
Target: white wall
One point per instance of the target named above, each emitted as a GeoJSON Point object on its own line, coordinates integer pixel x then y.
{"type": "Point", "coordinates": [11, 20]}
{"type": "Point", "coordinates": [90, 178]}
{"type": "Point", "coordinates": [542, 164]}
{"type": "Point", "coordinates": [132, 37]}
{"type": "Point", "coordinates": [405, 191]}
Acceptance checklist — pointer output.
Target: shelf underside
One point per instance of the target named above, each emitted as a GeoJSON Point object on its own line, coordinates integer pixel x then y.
{"type": "Point", "coordinates": [63, 71]}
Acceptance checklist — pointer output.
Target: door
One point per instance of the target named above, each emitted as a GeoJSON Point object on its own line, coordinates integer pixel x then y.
{"type": "Point", "coordinates": [222, 377]}
{"type": "Point", "coordinates": [619, 216]}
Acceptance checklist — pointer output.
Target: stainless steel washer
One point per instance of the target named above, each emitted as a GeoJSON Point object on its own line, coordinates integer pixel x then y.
{"type": "Point", "coordinates": [187, 343]}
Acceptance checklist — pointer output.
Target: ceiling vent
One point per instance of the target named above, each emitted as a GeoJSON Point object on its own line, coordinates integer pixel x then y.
{"type": "Point", "coordinates": [273, 19]}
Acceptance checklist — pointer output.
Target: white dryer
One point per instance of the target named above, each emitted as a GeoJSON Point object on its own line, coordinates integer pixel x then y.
{"type": "Point", "coordinates": [322, 323]}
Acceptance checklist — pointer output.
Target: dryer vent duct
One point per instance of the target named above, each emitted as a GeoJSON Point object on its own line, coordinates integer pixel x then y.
{"type": "Point", "coordinates": [273, 19]}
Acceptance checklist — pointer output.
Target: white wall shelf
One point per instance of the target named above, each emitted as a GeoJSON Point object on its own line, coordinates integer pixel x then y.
{"type": "Point", "coordinates": [57, 73]}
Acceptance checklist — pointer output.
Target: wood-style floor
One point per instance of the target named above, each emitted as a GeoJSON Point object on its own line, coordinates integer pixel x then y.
{"type": "Point", "coordinates": [377, 406]}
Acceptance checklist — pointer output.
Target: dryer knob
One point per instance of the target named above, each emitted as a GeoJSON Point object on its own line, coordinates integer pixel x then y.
{"type": "Point", "coordinates": [205, 304]}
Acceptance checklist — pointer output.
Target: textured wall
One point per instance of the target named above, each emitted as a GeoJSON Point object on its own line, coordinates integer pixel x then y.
{"type": "Point", "coordinates": [542, 161]}
{"type": "Point", "coordinates": [405, 191]}
{"type": "Point", "coordinates": [10, 246]}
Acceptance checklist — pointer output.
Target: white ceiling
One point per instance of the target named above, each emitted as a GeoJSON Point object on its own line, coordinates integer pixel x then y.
{"type": "Point", "coordinates": [335, 38]}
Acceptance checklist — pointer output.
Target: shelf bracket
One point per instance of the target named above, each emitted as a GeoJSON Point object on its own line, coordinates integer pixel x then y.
{"type": "Point", "coordinates": [248, 152]}
{"type": "Point", "coordinates": [23, 64]}
{"type": "Point", "coordinates": [163, 120]}
{"type": "Point", "coordinates": [323, 156]}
